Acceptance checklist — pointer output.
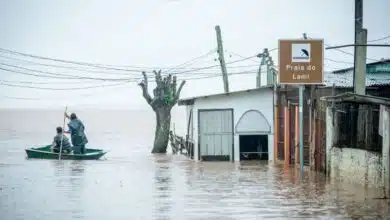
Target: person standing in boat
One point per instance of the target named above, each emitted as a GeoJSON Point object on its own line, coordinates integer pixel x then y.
{"type": "Point", "coordinates": [77, 134]}
{"type": "Point", "coordinates": [60, 137]}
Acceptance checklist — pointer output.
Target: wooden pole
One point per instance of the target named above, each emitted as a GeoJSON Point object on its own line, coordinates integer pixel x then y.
{"type": "Point", "coordinates": [62, 136]}
{"type": "Point", "coordinates": [359, 52]}
{"type": "Point", "coordinates": [276, 117]}
{"type": "Point", "coordinates": [222, 59]}
{"type": "Point", "coordinates": [287, 134]}
{"type": "Point", "coordinates": [296, 143]}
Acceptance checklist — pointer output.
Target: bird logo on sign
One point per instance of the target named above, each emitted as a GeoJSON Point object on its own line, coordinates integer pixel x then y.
{"type": "Point", "coordinates": [305, 52]}
{"type": "Point", "coordinates": [300, 53]}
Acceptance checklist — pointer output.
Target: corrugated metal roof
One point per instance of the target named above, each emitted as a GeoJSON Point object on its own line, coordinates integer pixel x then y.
{"type": "Point", "coordinates": [345, 79]}
{"type": "Point", "coordinates": [383, 61]}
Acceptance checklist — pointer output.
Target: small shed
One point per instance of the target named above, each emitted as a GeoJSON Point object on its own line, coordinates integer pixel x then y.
{"type": "Point", "coordinates": [231, 126]}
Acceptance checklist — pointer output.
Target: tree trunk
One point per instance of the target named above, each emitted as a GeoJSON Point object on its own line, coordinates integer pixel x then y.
{"type": "Point", "coordinates": [161, 136]}
{"type": "Point", "coordinates": [165, 97]}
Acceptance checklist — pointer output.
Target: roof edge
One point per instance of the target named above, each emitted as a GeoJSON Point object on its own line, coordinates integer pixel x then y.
{"type": "Point", "coordinates": [191, 100]}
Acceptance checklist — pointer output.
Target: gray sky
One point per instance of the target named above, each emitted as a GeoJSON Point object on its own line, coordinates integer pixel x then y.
{"type": "Point", "coordinates": [162, 33]}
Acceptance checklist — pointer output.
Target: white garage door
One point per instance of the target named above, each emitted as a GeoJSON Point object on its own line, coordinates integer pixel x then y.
{"type": "Point", "coordinates": [216, 134]}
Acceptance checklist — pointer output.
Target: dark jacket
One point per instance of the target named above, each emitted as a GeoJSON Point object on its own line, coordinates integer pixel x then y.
{"type": "Point", "coordinates": [77, 133]}
{"type": "Point", "coordinates": [65, 142]}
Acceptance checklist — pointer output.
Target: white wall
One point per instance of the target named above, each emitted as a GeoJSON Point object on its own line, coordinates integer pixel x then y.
{"type": "Point", "coordinates": [356, 165]}
{"type": "Point", "coordinates": [386, 149]}
{"type": "Point", "coordinates": [261, 100]}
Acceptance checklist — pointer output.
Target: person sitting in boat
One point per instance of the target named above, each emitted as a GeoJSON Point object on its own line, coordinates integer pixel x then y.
{"type": "Point", "coordinates": [77, 134]}
{"type": "Point", "coordinates": [56, 145]}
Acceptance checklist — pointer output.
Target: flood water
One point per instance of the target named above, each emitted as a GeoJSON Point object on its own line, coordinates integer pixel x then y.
{"type": "Point", "coordinates": [130, 183]}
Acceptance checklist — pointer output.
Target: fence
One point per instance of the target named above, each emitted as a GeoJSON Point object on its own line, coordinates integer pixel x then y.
{"type": "Point", "coordinates": [357, 126]}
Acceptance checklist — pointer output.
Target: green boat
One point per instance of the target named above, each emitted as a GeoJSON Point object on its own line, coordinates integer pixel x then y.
{"type": "Point", "coordinates": [46, 153]}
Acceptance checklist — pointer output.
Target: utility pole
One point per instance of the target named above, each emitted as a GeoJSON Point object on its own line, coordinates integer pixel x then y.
{"type": "Point", "coordinates": [222, 59]}
{"type": "Point", "coordinates": [270, 73]}
{"type": "Point", "coordinates": [264, 57]}
{"type": "Point", "coordinates": [300, 117]}
{"type": "Point", "coordinates": [360, 52]}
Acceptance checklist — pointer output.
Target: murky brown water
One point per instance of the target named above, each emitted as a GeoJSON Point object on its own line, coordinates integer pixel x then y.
{"type": "Point", "coordinates": [132, 184]}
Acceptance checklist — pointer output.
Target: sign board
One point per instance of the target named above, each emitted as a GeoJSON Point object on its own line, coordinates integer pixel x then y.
{"type": "Point", "coordinates": [301, 61]}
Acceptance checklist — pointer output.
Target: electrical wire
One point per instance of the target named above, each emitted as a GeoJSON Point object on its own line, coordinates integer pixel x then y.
{"type": "Point", "coordinates": [137, 70]}
{"type": "Point", "coordinates": [96, 65]}
{"type": "Point", "coordinates": [337, 61]}
{"type": "Point", "coordinates": [56, 75]}
{"type": "Point", "coordinates": [379, 39]}
{"type": "Point", "coordinates": [48, 83]}
{"type": "Point", "coordinates": [117, 84]}
{"type": "Point", "coordinates": [67, 76]}
{"type": "Point", "coordinates": [234, 53]}
{"type": "Point", "coordinates": [189, 62]}
{"type": "Point", "coordinates": [351, 54]}
{"type": "Point", "coordinates": [75, 88]}
{"type": "Point", "coordinates": [45, 74]}
{"type": "Point", "coordinates": [69, 67]}
{"type": "Point", "coordinates": [213, 66]}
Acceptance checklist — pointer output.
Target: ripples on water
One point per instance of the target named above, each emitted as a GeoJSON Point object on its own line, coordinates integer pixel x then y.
{"type": "Point", "coordinates": [132, 184]}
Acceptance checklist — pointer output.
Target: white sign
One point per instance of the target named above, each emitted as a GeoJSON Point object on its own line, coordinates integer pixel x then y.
{"type": "Point", "coordinates": [300, 53]}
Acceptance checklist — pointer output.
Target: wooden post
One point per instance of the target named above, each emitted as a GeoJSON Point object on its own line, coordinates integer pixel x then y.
{"type": "Point", "coordinates": [296, 139]}
{"type": "Point", "coordinates": [311, 122]}
{"type": "Point", "coordinates": [287, 135]}
{"type": "Point", "coordinates": [314, 146]}
{"type": "Point", "coordinates": [222, 59]}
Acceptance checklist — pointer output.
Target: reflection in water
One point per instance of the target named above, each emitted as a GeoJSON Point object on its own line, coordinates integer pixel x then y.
{"type": "Point", "coordinates": [132, 184]}
{"type": "Point", "coordinates": [69, 175]}
{"type": "Point", "coordinates": [162, 187]}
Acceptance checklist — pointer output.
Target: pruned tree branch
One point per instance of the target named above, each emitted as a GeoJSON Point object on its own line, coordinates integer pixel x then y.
{"type": "Point", "coordinates": [174, 85]}
{"type": "Point", "coordinates": [165, 93]}
{"type": "Point", "coordinates": [157, 75]}
{"type": "Point", "coordinates": [177, 94]}
{"type": "Point", "coordinates": [144, 86]}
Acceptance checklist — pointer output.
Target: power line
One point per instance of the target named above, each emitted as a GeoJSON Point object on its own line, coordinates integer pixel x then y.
{"type": "Point", "coordinates": [213, 66]}
{"type": "Point", "coordinates": [117, 84]}
{"type": "Point", "coordinates": [66, 76]}
{"type": "Point", "coordinates": [47, 83]}
{"type": "Point", "coordinates": [379, 39]}
{"type": "Point", "coordinates": [234, 53]}
{"type": "Point", "coordinates": [103, 72]}
{"type": "Point", "coordinates": [351, 54]}
{"type": "Point", "coordinates": [21, 98]}
{"type": "Point", "coordinates": [95, 65]}
{"type": "Point", "coordinates": [92, 94]}
{"type": "Point", "coordinates": [192, 60]}
{"type": "Point", "coordinates": [45, 74]}
{"type": "Point", "coordinates": [56, 75]}
{"type": "Point", "coordinates": [75, 88]}
{"type": "Point", "coordinates": [338, 61]}
{"type": "Point", "coordinates": [68, 67]}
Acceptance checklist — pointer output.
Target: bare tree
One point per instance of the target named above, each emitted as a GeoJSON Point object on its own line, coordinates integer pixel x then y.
{"type": "Point", "coordinates": [165, 97]}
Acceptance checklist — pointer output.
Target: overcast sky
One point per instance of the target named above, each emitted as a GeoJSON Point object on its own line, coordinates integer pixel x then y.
{"type": "Point", "coordinates": [151, 34]}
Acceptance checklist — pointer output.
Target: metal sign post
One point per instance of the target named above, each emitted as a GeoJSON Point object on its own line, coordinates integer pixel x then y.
{"type": "Point", "coordinates": [301, 63]}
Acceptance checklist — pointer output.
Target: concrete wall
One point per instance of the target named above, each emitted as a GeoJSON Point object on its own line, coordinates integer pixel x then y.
{"type": "Point", "coordinates": [356, 165]}
{"type": "Point", "coordinates": [261, 100]}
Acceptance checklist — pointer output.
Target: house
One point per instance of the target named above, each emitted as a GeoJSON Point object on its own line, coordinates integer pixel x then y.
{"type": "Point", "coordinates": [286, 118]}
{"type": "Point", "coordinates": [231, 126]}
{"type": "Point", "coordinates": [359, 155]}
